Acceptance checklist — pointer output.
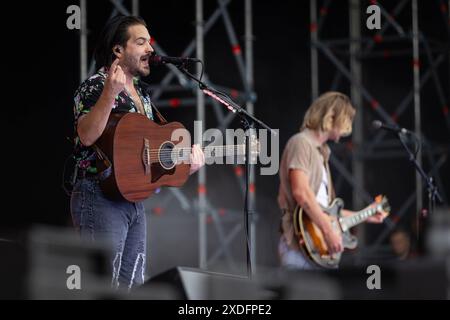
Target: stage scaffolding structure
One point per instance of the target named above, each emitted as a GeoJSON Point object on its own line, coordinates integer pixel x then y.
{"type": "Point", "coordinates": [354, 51]}
{"type": "Point", "coordinates": [175, 82]}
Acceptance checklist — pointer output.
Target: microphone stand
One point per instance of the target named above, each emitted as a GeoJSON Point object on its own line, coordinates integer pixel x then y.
{"type": "Point", "coordinates": [433, 192]}
{"type": "Point", "coordinates": [248, 122]}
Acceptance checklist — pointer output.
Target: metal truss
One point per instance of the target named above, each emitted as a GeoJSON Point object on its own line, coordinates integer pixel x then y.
{"type": "Point", "coordinates": [357, 49]}
{"type": "Point", "coordinates": [175, 82]}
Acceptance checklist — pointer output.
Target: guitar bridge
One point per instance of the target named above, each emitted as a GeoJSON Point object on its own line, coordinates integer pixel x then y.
{"type": "Point", "coordinates": [146, 156]}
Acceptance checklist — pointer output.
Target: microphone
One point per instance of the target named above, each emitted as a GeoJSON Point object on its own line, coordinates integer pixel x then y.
{"type": "Point", "coordinates": [156, 60]}
{"type": "Point", "coordinates": [377, 124]}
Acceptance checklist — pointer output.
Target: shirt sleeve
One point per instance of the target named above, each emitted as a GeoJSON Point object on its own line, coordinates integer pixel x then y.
{"type": "Point", "coordinates": [299, 155]}
{"type": "Point", "coordinates": [87, 96]}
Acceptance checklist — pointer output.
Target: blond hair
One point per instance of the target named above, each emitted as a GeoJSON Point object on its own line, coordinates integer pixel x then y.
{"type": "Point", "coordinates": [330, 110]}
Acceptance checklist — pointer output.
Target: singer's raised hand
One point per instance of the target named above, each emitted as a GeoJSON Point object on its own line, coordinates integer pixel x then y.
{"type": "Point", "coordinates": [115, 81]}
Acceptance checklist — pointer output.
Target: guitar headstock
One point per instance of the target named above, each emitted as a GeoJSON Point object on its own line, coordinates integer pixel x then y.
{"type": "Point", "coordinates": [383, 203]}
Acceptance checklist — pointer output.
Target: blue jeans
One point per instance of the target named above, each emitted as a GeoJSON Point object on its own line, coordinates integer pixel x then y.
{"type": "Point", "coordinates": [293, 259]}
{"type": "Point", "coordinates": [122, 224]}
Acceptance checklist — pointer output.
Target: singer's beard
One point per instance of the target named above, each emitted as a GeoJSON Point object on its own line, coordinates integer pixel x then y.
{"type": "Point", "coordinates": [136, 66]}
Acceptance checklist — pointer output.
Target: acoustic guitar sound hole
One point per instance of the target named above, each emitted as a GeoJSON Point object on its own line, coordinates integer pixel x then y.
{"type": "Point", "coordinates": [165, 155]}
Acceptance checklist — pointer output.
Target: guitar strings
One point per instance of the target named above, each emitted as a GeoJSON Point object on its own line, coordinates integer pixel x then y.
{"type": "Point", "coordinates": [203, 148]}
{"type": "Point", "coordinates": [169, 152]}
{"type": "Point", "coordinates": [220, 148]}
{"type": "Point", "coordinates": [166, 155]}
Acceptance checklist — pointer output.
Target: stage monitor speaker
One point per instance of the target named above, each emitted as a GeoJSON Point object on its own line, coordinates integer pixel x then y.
{"type": "Point", "coordinates": [418, 279]}
{"type": "Point", "coordinates": [58, 256]}
{"type": "Point", "coordinates": [197, 284]}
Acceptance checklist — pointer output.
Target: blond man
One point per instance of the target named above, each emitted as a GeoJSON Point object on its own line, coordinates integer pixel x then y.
{"type": "Point", "coordinates": [305, 178]}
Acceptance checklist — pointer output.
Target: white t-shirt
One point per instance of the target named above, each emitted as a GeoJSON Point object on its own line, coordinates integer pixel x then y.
{"type": "Point", "coordinates": [322, 194]}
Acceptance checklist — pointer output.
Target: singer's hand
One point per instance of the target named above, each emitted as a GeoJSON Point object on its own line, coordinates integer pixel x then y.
{"type": "Point", "coordinates": [197, 158]}
{"type": "Point", "coordinates": [115, 81]}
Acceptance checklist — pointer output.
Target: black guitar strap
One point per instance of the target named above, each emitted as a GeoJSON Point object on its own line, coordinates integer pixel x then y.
{"type": "Point", "coordinates": [161, 119]}
{"type": "Point", "coordinates": [146, 87]}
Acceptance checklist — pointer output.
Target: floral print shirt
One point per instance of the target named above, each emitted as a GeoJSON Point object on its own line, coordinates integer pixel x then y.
{"type": "Point", "coordinates": [86, 97]}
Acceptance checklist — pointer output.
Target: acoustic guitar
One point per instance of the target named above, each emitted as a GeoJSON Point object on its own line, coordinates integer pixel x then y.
{"type": "Point", "coordinates": [312, 241]}
{"type": "Point", "coordinates": [136, 156]}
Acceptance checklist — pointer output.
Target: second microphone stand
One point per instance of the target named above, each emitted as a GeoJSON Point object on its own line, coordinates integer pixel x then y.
{"type": "Point", "coordinates": [433, 192]}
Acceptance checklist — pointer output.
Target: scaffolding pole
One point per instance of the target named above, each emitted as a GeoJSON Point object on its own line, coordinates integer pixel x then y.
{"type": "Point", "coordinates": [358, 134]}
{"type": "Point", "coordinates": [135, 7]}
{"type": "Point", "coordinates": [417, 109]}
{"type": "Point", "coordinates": [203, 249]}
{"type": "Point", "coordinates": [189, 49]}
{"type": "Point", "coordinates": [83, 41]}
{"type": "Point", "coordinates": [249, 79]}
{"type": "Point", "coordinates": [314, 58]}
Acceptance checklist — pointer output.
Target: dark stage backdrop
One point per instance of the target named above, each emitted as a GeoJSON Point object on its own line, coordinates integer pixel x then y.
{"type": "Point", "coordinates": [41, 72]}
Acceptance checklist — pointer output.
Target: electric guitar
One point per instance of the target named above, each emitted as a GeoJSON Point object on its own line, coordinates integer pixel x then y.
{"type": "Point", "coordinates": [136, 156]}
{"type": "Point", "coordinates": [312, 241]}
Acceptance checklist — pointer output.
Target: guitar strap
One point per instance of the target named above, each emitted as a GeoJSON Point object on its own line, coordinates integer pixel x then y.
{"type": "Point", "coordinates": [146, 88]}
{"type": "Point", "coordinates": [161, 119]}
{"type": "Point", "coordinates": [331, 192]}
